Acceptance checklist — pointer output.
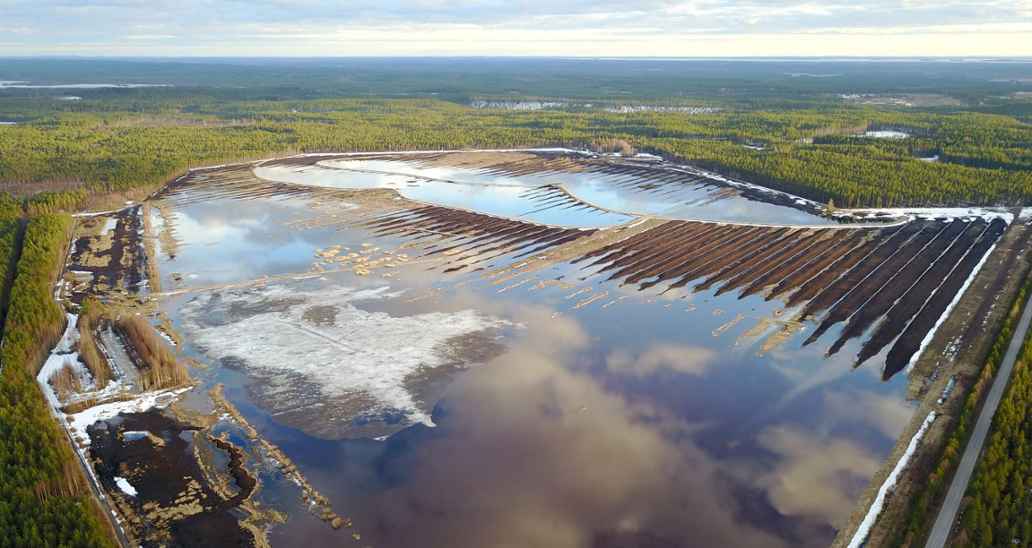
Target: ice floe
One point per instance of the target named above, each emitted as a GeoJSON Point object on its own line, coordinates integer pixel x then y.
{"type": "Point", "coordinates": [355, 351]}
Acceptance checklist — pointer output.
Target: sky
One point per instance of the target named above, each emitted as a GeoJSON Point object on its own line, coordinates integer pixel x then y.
{"type": "Point", "coordinates": [595, 28]}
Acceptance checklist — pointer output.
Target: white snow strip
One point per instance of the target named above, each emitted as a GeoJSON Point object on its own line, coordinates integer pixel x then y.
{"type": "Point", "coordinates": [986, 213]}
{"type": "Point", "coordinates": [949, 308]}
{"type": "Point", "coordinates": [60, 356]}
{"type": "Point", "coordinates": [393, 152]}
{"type": "Point", "coordinates": [125, 486]}
{"type": "Point", "coordinates": [890, 483]}
{"type": "Point", "coordinates": [79, 422]}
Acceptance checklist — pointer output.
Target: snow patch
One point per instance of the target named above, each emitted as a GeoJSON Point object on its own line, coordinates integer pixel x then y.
{"type": "Point", "coordinates": [911, 213]}
{"type": "Point", "coordinates": [168, 338]}
{"type": "Point", "coordinates": [126, 487]}
{"type": "Point", "coordinates": [133, 435]}
{"type": "Point", "coordinates": [886, 134]}
{"type": "Point", "coordinates": [946, 391]}
{"type": "Point", "coordinates": [62, 356]}
{"type": "Point", "coordinates": [79, 422]}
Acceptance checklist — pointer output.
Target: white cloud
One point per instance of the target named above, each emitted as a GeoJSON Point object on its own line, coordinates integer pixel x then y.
{"type": "Point", "coordinates": [690, 360]}
{"type": "Point", "coordinates": [534, 27]}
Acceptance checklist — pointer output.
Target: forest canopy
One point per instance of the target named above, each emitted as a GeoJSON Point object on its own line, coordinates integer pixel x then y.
{"type": "Point", "coordinates": [103, 145]}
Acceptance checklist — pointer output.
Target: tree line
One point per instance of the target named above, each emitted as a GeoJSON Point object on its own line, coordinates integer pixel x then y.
{"type": "Point", "coordinates": [998, 504]}
{"type": "Point", "coordinates": [816, 153]}
{"type": "Point", "coordinates": [44, 499]}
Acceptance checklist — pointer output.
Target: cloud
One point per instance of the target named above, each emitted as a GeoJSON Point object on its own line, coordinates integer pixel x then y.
{"type": "Point", "coordinates": [887, 415]}
{"type": "Point", "coordinates": [692, 360]}
{"type": "Point", "coordinates": [529, 453]}
{"type": "Point", "coordinates": [533, 27]}
{"type": "Point", "coordinates": [815, 477]}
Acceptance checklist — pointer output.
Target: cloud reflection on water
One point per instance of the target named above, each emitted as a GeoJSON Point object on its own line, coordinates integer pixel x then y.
{"type": "Point", "coordinates": [530, 453]}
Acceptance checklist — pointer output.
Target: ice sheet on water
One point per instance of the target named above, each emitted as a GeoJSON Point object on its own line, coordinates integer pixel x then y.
{"type": "Point", "coordinates": [273, 333]}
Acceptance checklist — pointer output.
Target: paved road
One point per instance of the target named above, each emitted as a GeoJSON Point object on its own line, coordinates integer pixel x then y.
{"type": "Point", "coordinates": [948, 513]}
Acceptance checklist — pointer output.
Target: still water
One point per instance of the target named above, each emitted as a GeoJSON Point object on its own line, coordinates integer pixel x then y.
{"type": "Point", "coordinates": [460, 410]}
{"type": "Point", "coordinates": [618, 196]}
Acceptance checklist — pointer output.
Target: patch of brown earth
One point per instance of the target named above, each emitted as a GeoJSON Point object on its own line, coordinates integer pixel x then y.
{"type": "Point", "coordinates": [103, 263]}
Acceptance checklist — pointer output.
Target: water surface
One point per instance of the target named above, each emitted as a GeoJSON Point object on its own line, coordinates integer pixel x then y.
{"type": "Point", "coordinates": [524, 417]}
{"type": "Point", "coordinates": [617, 197]}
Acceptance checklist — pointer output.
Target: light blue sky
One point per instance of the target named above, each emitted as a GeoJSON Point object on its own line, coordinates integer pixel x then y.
{"type": "Point", "coordinates": [529, 27]}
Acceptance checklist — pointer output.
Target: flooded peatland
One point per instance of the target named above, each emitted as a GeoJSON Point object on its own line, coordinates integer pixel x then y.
{"type": "Point", "coordinates": [542, 349]}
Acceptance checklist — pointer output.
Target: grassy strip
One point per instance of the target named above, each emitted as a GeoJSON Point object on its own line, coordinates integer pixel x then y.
{"type": "Point", "coordinates": [922, 508]}
{"type": "Point", "coordinates": [88, 351]}
{"type": "Point", "coordinates": [42, 492]}
{"type": "Point", "coordinates": [158, 365]}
